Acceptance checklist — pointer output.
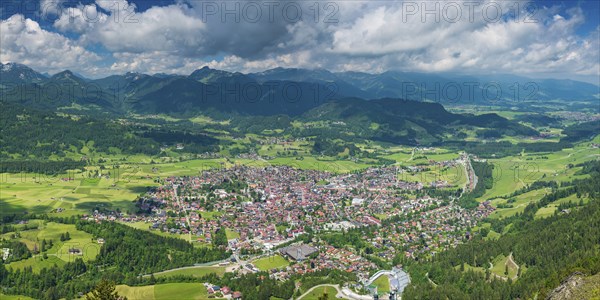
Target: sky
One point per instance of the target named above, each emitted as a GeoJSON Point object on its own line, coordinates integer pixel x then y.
{"type": "Point", "coordinates": [97, 38]}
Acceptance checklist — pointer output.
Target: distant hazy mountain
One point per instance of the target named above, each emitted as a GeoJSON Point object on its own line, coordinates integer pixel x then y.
{"type": "Point", "coordinates": [319, 76]}
{"type": "Point", "coordinates": [447, 89]}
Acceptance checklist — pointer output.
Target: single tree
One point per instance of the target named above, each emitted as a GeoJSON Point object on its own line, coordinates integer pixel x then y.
{"type": "Point", "coordinates": [105, 290]}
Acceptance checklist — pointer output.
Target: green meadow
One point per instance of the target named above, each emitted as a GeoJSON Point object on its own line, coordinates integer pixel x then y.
{"type": "Point", "coordinates": [58, 254]}
{"type": "Point", "coordinates": [193, 271]}
{"type": "Point", "coordinates": [521, 201]}
{"type": "Point", "coordinates": [271, 262]}
{"type": "Point", "coordinates": [549, 209]}
{"type": "Point", "coordinates": [499, 266]}
{"type": "Point", "coordinates": [514, 172]}
{"type": "Point", "coordinates": [318, 292]}
{"type": "Point", "coordinates": [231, 234]}
{"type": "Point", "coordinates": [168, 291]}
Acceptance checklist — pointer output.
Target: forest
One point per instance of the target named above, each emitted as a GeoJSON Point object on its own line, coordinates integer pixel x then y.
{"type": "Point", "coordinates": [40, 134]}
{"type": "Point", "coordinates": [484, 173]}
{"type": "Point", "coordinates": [550, 249]}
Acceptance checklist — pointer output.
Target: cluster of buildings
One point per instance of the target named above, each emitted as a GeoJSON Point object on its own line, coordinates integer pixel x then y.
{"type": "Point", "coordinates": [263, 207]}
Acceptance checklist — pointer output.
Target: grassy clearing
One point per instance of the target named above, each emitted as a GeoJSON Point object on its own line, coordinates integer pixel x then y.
{"type": "Point", "coordinates": [196, 272]}
{"type": "Point", "coordinates": [180, 291]}
{"type": "Point", "coordinates": [520, 203]}
{"type": "Point", "coordinates": [37, 263]}
{"type": "Point", "coordinates": [549, 209]}
{"type": "Point", "coordinates": [166, 291]}
{"type": "Point", "coordinates": [319, 291]}
{"type": "Point", "coordinates": [499, 266]}
{"type": "Point", "coordinates": [476, 269]}
{"type": "Point", "coordinates": [136, 292]}
{"type": "Point", "coordinates": [231, 234]}
{"type": "Point", "coordinates": [271, 262]}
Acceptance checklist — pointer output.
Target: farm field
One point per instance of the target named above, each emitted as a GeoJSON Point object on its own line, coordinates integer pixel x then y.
{"type": "Point", "coordinates": [184, 291]}
{"type": "Point", "coordinates": [514, 172]}
{"type": "Point", "coordinates": [301, 148]}
{"type": "Point", "coordinates": [271, 262]}
{"type": "Point", "coordinates": [521, 201]}
{"type": "Point", "coordinates": [14, 297]}
{"type": "Point", "coordinates": [115, 189]}
{"type": "Point", "coordinates": [20, 192]}
{"type": "Point", "coordinates": [455, 175]}
{"type": "Point", "coordinates": [410, 156]}
{"type": "Point", "coordinates": [193, 271]}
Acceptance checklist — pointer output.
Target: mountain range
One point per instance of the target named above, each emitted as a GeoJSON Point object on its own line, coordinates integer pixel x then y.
{"type": "Point", "coordinates": [351, 104]}
{"type": "Point", "coordinates": [374, 106]}
{"type": "Point", "coordinates": [276, 91]}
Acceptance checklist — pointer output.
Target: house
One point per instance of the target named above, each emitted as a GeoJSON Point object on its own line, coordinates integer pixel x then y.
{"type": "Point", "coordinates": [5, 253]}
{"type": "Point", "coordinates": [236, 295]}
{"type": "Point", "coordinates": [75, 251]}
{"type": "Point", "coordinates": [225, 290]}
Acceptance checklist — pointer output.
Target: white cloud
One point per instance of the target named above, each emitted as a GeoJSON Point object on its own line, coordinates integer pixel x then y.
{"type": "Point", "coordinates": [24, 41]}
{"type": "Point", "coordinates": [51, 7]}
{"type": "Point", "coordinates": [387, 35]}
{"type": "Point", "coordinates": [169, 28]}
{"type": "Point", "coordinates": [79, 19]}
{"type": "Point", "coordinates": [367, 36]}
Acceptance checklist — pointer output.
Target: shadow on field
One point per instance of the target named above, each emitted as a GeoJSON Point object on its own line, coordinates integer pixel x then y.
{"type": "Point", "coordinates": [139, 189]}
{"type": "Point", "coordinates": [112, 205]}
